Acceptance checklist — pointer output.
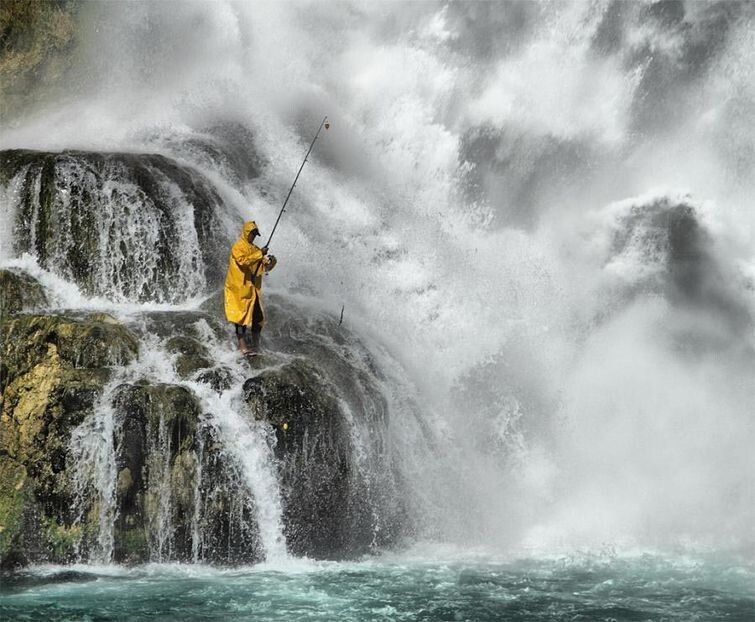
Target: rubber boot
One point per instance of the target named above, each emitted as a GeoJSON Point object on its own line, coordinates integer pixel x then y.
{"type": "Point", "coordinates": [243, 347]}
{"type": "Point", "coordinates": [256, 348]}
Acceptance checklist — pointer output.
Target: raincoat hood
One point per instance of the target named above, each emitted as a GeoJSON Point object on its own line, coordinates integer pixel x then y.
{"type": "Point", "coordinates": [248, 227]}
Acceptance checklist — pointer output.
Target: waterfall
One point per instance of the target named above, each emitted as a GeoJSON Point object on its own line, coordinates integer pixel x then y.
{"type": "Point", "coordinates": [537, 216]}
{"type": "Point", "coordinates": [159, 510]}
{"type": "Point", "coordinates": [120, 226]}
{"type": "Point", "coordinates": [249, 444]}
{"type": "Point", "coordinates": [97, 443]}
{"type": "Point", "coordinates": [95, 475]}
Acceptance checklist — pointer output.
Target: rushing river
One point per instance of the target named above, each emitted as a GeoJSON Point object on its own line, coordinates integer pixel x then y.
{"type": "Point", "coordinates": [438, 587]}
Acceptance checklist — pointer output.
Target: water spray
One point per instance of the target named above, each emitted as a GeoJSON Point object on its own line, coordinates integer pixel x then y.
{"type": "Point", "coordinates": [324, 124]}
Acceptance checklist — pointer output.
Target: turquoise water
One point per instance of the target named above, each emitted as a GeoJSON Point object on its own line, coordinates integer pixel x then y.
{"type": "Point", "coordinates": [640, 587]}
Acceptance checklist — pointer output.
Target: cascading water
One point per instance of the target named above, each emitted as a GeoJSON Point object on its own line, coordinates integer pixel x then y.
{"type": "Point", "coordinates": [95, 476]}
{"type": "Point", "coordinates": [118, 225]}
{"type": "Point", "coordinates": [535, 216]}
{"type": "Point", "coordinates": [98, 442]}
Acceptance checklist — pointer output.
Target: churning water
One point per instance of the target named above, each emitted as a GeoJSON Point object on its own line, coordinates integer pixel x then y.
{"type": "Point", "coordinates": [416, 586]}
{"type": "Point", "coordinates": [539, 217]}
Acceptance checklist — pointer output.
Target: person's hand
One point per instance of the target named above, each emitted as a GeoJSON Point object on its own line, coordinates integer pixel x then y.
{"type": "Point", "coordinates": [264, 250]}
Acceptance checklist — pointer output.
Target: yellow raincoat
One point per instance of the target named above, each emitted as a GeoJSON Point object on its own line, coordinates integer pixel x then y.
{"type": "Point", "coordinates": [242, 287]}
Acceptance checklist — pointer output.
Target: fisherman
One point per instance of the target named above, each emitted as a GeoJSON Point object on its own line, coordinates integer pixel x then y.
{"type": "Point", "coordinates": [243, 285]}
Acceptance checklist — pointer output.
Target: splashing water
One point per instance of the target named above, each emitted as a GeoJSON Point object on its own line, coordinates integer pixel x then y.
{"type": "Point", "coordinates": [94, 446]}
{"type": "Point", "coordinates": [95, 474]}
{"type": "Point", "coordinates": [464, 208]}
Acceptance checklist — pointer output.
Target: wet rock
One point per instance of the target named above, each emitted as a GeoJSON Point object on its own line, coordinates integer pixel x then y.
{"type": "Point", "coordinates": [61, 220]}
{"type": "Point", "coordinates": [81, 343]}
{"type": "Point", "coordinates": [219, 378]}
{"type": "Point", "coordinates": [20, 292]}
{"type": "Point", "coordinates": [317, 385]}
{"type": "Point", "coordinates": [179, 493]}
{"type": "Point", "coordinates": [196, 324]}
{"type": "Point", "coordinates": [54, 369]}
{"type": "Point", "coordinates": [227, 517]}
{"type": "Point", "coordinates": [192, 355]}
{"type": "Point", "coordinates": [15, 503]}
{"type": "Point", "coordinates": [156, 460]}
{"type": "Point", "coordinates": [325, 514]}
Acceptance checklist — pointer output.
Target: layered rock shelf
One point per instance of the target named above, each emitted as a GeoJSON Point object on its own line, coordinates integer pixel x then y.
{"type": "Point", "coordinates": [104, 459]}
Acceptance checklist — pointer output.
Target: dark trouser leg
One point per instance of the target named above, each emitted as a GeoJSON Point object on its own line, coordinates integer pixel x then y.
{"type": "Point", "coordinates": [241, 337]}
{"type": "Point", "coordinates": [257, 319]}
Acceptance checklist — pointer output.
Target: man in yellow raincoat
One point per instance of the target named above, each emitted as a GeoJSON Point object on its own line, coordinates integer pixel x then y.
{"type": "Point", "coordinates": [243, 285]}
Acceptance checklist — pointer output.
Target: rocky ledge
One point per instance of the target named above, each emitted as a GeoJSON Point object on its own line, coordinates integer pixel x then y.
{"type": "Point", "coordinates": [169, 488]}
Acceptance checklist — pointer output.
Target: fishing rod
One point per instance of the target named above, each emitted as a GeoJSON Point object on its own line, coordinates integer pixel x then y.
{"type": "Point", "coordinates": [288, 196]}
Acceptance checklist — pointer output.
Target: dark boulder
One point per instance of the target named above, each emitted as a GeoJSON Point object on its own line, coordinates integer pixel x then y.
{"type": "Point", "coordinates": [20, 292]}
{"type": "Point", "coordinates": [327, 511]}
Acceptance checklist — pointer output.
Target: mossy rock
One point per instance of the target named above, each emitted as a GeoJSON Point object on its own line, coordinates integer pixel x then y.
{"type": "Point", "coordinates": [88, 343]}
{"type": "Point", "coordinates": [40, 409]}
{"type": "Point", "coordinates": [192, 355]}
{"type": "Point", "coordinates": [54, 369]}
{"type": "Point", "coordinates": [20, 292]}
{"type": "Point", "coordinates": [61, 540]}
{"type": "Point", "coordinates": [15, 498]}
{"type": "Point", "coordinates": [157, 443]}
{"type": "Point", "coordinates": [143, 410]}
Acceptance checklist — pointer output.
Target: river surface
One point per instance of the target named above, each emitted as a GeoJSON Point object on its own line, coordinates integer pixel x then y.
{"type": "Point", "coordinates": [407, 587]}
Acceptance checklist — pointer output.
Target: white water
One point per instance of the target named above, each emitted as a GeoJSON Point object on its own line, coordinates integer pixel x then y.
{"type": "Point", "coordinates": [246, 443]}
{"type": "Point", "coordinates": [95, 473]}
{"type": "Point", "coordinates": [461, 208]}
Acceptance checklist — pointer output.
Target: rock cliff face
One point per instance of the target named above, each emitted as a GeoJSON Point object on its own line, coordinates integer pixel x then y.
{"type": "Point", "coordinates": [52, 373]}
{"type": "Point", "coordinates": [35, 55]}
{"type": "Point", "coordinates": [108, 455]}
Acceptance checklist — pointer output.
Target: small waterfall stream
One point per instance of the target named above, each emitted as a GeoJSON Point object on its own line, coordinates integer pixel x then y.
{"type": "Point", "coordinates": [249, 444]}
{"type": "Point", "coordinates": [95, 474]}
{"type": "Point", "coordinates": [95, 446]}
{"type": "Point", "coordinates": [125, 226]}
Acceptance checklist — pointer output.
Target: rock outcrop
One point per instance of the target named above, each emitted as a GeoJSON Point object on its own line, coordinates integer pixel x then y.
{"type": "Point", "coordinates": [52, 372]}
{"type": "Point", "coordinates": [20, 292]}
{"type": "Point", "coordinates": [172, 489]}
